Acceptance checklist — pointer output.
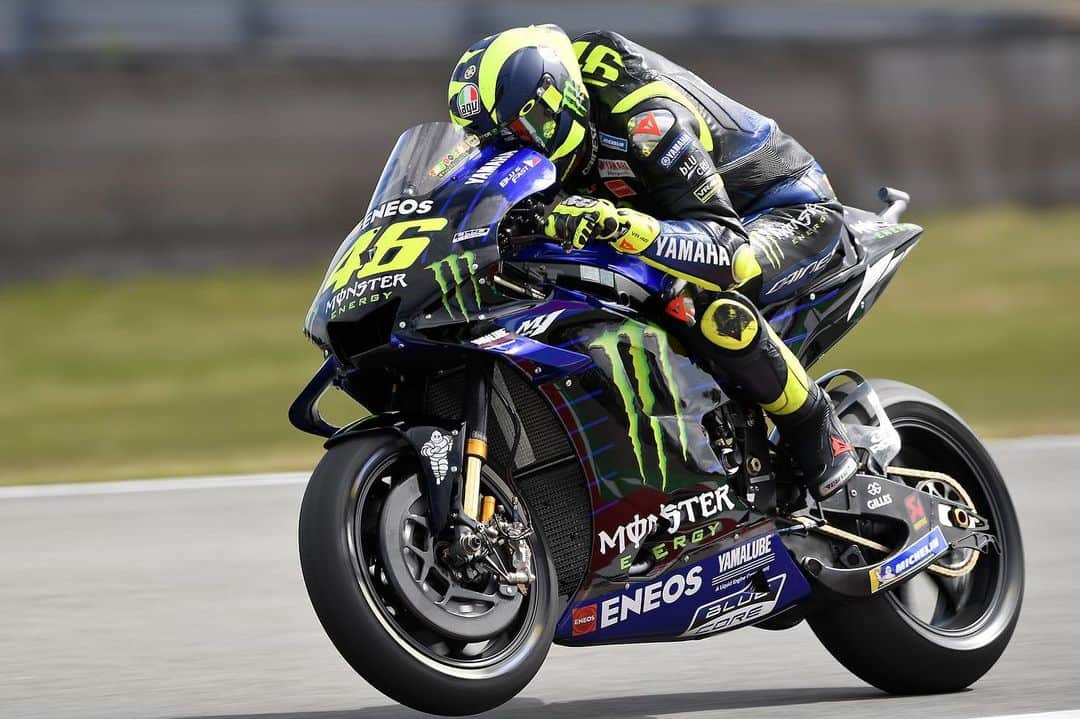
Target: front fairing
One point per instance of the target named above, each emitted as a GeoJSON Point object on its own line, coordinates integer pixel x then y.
{"type": "Point", "coordinates": [431, 227]}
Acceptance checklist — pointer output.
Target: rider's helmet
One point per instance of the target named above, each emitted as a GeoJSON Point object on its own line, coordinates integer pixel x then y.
{"type": "Point", "coordinates": [524, 86]}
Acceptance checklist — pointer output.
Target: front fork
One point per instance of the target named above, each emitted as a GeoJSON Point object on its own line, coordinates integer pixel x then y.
{"type": "Point", "coordinates": [478, 379]}
{"type": "Point", "coordinates": [481, 533]}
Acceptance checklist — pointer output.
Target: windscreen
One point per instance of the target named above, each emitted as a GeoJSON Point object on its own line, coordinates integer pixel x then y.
{"type": "Point", "coordinates": [422, 160]}
{"type": "Point", "coordinates": [430, 228]}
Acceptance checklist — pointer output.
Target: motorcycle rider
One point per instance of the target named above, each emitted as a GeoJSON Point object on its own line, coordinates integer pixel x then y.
{"type": "Point", "coordinates": [625, 126]}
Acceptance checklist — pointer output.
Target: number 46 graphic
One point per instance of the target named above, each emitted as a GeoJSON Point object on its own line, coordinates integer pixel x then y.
{"type": "Point", "coordinates": [397, 249]}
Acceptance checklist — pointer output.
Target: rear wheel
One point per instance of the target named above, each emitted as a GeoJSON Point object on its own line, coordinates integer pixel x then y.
{"type": "Point", "coordinates": [410, 624]}
{"type": "Point", "coordinates": [943, 629]}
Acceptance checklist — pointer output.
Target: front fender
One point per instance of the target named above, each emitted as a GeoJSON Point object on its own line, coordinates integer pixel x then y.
{"type": "Point", "coordinates": [440, 456]}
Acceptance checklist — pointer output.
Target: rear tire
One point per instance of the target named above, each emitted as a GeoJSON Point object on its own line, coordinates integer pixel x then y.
{"type": "Point", "coordinates": [882, 640]}
{"type": "Point", "coordinates": [375, 640]}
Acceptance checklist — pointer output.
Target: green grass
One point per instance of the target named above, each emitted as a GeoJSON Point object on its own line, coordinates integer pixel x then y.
{"type": "Point", "coordinates": [186, 375]}
{"type": "Point", "coordinates": [154, 377]}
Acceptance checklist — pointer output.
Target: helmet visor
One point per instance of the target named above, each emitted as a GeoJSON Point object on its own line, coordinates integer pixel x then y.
{"type": "Point", "coordinates": [538, 120]}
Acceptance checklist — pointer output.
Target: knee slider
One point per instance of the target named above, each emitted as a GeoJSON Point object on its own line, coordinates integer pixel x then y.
{"type": "Point", "coordinates": [730, 322]}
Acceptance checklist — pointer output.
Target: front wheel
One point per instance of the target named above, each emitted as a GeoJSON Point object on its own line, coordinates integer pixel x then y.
{"type": "Point", "coordinates": [943, 629]}
{"type": "Point", "coordinates": [415, 628]}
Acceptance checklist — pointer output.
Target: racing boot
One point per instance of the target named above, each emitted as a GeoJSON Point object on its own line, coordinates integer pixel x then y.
{"type": "Point", "coordinates": [748, 353]}
{"type": "Point", "coordinates": [817, 443]}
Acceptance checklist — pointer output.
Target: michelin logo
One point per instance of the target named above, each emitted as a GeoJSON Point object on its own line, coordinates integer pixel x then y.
{"type": "Point", "coordinates": [920, 553]}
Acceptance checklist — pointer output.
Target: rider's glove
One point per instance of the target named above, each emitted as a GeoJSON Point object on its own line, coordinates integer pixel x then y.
{"type": "Point", "coordinates": [578, 220]}
{"type": "Point", "coordinates": [636, 231]}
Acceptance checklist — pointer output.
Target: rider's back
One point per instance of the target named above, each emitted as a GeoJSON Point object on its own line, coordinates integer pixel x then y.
{"type": "Point", "coordinates": [750, 151]}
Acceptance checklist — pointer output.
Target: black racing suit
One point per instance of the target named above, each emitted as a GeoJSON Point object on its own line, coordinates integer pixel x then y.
{"type": "Point", "coordinates": [718, 176]}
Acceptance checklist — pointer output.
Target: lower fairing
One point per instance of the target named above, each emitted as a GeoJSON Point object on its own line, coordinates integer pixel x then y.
{"type": "Point", "coordinates": [744, 582]}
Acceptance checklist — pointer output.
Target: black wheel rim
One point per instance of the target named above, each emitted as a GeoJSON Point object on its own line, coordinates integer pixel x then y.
{"type": "Point", "coordinates": [465, 659]}
{"type": "Point", "coordinates": [942, 606]}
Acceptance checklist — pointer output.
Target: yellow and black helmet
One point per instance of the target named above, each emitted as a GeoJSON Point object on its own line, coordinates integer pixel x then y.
{"type": "Point", "coordinates": [525, 86]}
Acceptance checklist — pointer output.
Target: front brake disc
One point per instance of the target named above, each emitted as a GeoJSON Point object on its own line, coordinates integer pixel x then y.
{"type": "Point", "coordinates": [424, 585]}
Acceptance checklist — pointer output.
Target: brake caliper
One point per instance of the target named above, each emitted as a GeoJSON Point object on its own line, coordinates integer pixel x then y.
{"type": "Point", "coordinates": [496, 546]}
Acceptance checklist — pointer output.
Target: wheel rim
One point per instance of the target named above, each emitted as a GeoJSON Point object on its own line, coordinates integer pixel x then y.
{"type": "Point", "coordinates": [429, 589]}
{"type": "Point", "coordinates": [458, 657]}
{"type": "Point", "coordinates": [952, 606]}
{"type": "Point", "coordinates": [958, 562]}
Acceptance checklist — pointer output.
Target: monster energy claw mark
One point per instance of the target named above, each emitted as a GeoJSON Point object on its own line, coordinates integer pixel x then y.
{"type": "Point", "coordinates": [459, 267]}
{"type": "Point", "coordinates": [641, 388]}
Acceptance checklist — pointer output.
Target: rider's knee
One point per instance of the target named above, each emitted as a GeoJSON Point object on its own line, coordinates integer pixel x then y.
{"type": "Point", "coordinates": [730, 321]}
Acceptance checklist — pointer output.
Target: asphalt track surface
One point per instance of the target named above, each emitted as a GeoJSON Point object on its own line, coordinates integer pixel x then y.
{"type": "Point", "coordinates": [149, 600]}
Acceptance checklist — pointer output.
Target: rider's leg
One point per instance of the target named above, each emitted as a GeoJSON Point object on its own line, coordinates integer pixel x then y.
{"type": "Point", "coordinates": [748, 353]}
{"type": "Point", "coordinates": [794, 245]}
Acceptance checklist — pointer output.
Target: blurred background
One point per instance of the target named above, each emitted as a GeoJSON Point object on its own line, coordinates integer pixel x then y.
{"type": "Point", "coordinates": [174, 178]}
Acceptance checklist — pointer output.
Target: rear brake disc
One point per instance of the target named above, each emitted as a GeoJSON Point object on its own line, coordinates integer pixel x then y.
{"type": "Point", "coordinates": [958, 562]}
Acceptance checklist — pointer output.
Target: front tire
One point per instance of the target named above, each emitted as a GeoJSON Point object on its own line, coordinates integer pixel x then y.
{"type": "Point", "coordinates": [395, 650]}
{"type": "Point", "coordinates": [900, 642]}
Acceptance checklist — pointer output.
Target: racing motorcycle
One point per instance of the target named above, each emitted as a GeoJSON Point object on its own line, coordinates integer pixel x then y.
{"type": "Point", "coordinates": [543, 460]}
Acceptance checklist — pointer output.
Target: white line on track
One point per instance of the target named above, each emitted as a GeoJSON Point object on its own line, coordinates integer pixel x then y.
{"type": "Point", "coordinates": [1048, 441]}
{"type": "Point", "coordinates": [1067, 714]}
{"type": "Point", "coordinates": [151, 485]}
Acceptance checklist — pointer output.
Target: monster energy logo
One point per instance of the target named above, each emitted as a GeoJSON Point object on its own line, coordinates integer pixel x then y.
{"type": "Point", "coordinates": [574, 98]}
{"type": "Point", "coordinates": [638, 394]}
{"type": "Point", "coordinates": [455, 275]}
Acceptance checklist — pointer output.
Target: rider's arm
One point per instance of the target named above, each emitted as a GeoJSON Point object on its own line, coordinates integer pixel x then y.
{"type": "Point", "coordinates": [699, 232]}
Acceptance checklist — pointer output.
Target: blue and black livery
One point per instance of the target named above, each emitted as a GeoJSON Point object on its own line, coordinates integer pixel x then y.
{"type": "Point", "coordinates": [640, 419]}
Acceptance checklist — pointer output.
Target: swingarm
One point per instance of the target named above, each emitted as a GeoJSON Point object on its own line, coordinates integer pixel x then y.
{"type": "Point", "coordinates": [938, 534]}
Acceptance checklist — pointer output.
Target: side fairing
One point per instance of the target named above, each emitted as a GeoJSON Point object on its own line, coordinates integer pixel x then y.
{"type": "Point", "coordinates": [743, 584]}
{"type": "Point", "coordinates": [662, 505]}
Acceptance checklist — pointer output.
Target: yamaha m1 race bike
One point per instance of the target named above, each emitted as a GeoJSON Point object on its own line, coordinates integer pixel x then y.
{"type": "Point", "coordinates": [544, 462]}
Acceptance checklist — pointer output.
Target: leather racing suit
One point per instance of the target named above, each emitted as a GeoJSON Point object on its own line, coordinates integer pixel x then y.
{"type": "Point", "coordinates": [718, 176]}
